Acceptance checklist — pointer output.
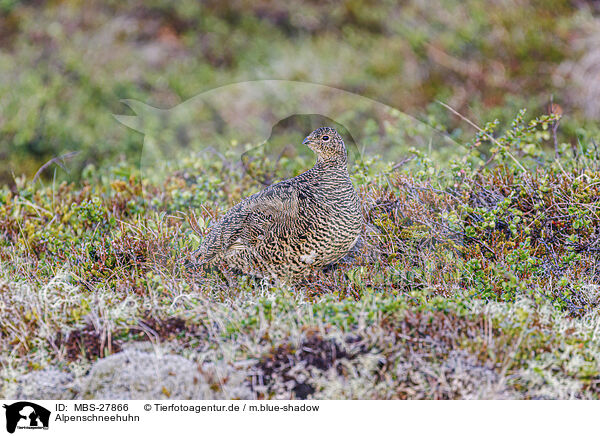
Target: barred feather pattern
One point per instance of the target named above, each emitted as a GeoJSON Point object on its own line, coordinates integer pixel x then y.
{"type": "Point", "coordinates": [294, 226]}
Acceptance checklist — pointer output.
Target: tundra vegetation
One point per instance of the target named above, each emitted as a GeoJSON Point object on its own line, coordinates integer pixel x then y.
{"type": "Point", "coordinates": [479, 271]}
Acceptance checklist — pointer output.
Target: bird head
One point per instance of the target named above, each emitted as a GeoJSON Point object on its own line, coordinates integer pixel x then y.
{"type": "Point", "coordinates": [327, 143]}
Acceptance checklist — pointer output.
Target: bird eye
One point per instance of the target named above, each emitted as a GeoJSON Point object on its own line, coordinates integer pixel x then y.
{"type": "Point", "coordinates": [325, 138]}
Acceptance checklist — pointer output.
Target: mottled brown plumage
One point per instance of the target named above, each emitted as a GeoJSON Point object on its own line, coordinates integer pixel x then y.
{"type": "Point", "coordinates": [294, 226]}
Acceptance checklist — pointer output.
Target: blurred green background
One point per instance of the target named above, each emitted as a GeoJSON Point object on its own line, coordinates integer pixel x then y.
{"type": "Point", "coordinates": [65, 65]}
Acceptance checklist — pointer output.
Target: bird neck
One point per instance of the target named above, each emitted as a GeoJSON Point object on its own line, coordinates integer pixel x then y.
{"type": "Point", "coordinates": [332, 165]}
{"type": "Point", "coordinates": [332, 162]}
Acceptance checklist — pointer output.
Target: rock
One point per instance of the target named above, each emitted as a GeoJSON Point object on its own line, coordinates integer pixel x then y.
{"type": "Point", "coordinates": [136, 374]}
{"type": "Point", "coordinates": [47, 384]}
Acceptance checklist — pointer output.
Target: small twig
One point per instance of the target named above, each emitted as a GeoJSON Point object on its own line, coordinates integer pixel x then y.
{"type": "Point", "coordinates": [490, 137]}
{"type": "Point", "coordinates": [56, 161]}
{"type": "Point", "coordinates": [554, 128]}
{"type": "Point", "coordinates": [193, 222]}
{"type": "Point", "coordinates": [402, 163]}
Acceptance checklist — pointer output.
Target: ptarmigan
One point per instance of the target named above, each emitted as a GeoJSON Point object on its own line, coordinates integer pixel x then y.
{"type": "Point", "coordinates": [294, 226]}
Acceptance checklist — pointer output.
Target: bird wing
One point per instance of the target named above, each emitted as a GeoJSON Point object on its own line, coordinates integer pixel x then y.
{"type": "Point", "coordinates": [251, 220]}
{"type": "Point", "coordinates": [277, 207]}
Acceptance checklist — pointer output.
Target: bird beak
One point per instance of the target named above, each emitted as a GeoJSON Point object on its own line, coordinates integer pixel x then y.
{"type": "Point", "coordinates": [306, 141]}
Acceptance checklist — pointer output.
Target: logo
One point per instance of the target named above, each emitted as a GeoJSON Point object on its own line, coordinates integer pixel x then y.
{"type": "Point", "coordinates": [26, 415]}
